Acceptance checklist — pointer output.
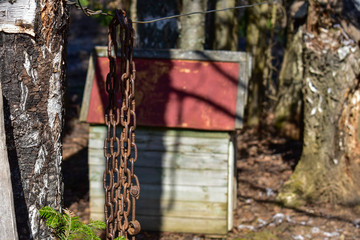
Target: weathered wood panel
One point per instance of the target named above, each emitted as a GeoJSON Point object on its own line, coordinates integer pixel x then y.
{"type": "Point", "coordinates": [175, 224]}
{"type": "Point", "coordinates": [171, 160]}
{"type": "Point", "coordinates": [232, 193]}
{"type": "Point", "coordinates": [183, 176]}
{"type": "Point", "coordinates": [8, 228]}
{"type": "Point", "coordinates": [179, 193]}
{"type": "Point", "coordinates": [169, 141]}
{"type": "Point", "coordinates": [182, 89]}
{"type": "Point", "coordinates": [154, 207]}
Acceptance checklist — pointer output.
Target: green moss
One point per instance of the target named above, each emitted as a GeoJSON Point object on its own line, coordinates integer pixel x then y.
{"type": "Point", "coordinates": [293, 192]}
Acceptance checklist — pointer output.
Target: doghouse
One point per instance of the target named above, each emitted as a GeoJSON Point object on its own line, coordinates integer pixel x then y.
{"type": "Point", "coordinates": [188, 106]}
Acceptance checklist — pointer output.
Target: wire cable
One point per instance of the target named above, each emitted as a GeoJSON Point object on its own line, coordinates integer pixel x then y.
{"type": "Point", "coordinates": [204, 12]}
{"type": "Point", "coordinates": [89, 12]}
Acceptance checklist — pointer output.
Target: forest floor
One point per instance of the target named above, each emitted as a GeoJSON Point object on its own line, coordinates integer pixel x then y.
{"type": "Point", "coordinates": [265, 161]}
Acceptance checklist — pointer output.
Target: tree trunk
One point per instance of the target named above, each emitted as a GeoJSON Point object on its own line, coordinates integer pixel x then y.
{"type": "Point", "coordinates": [289, 104]}
{"type": "Point", "coordinates": [192, 32]}
{"type": "Point", "coordinates": [256, 45]}
{"type": "Point", "coordinates": [226, 32]}
{"type": "Point", "coordinates": [32, 72]}
{"type": "Point", "coordinates": [329, 166]}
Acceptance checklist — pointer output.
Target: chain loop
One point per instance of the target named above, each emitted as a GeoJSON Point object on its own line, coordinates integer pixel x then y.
{"type": "Point", "coordinates": [121, 184]}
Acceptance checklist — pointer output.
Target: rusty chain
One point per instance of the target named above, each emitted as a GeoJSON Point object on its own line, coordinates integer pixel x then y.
{"type": "Point", "coordinates": [121, 184]}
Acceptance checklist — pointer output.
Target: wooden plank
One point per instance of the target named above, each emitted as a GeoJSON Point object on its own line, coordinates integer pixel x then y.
{"type": "Point", "coordinates": [156, 222]}
{"type": "Point", "coordinates": [8, 228]}
{"type": "Point", "coordinates": [191, 225]}
{"type": "Point", "coordinates": [173, 192]}
{"type": "Point", "coordinates": [242, 89]}
{"type": "Point", "coordinates": [169, 160]}
{"type": "Point", "coordinates": [231, 186]}
{"type": "Point", "coordinates": [181, 133]}
{"type": "Point", "coordinates": [88, 86]}
{"type": "Point", "coordinates": [167, 142]}
{"type": "Point", "coordinates": [97, 204]}
{"type": "Point", "coordinates": [173, 176]}
{"type": "Point", "coordinates": [96, 172]}
{"type": "Point", "coordinates": [205, 55]}
{"type": "Point", "coordinates": [183, 177]}
{"type": "Point", "coordinates": [170, 208]}
{"type": "Point", "coordinates": [181, 144]}
{"type": "Point", "coordinates": [173, 208]}
{"type": "Point", "coordinates": [176, 224]}
{"type": "Point", "coordinates": [99, 131]}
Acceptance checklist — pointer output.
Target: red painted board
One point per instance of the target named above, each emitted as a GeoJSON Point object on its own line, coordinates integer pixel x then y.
{"type": "Point", "coordinates": [176, 93]}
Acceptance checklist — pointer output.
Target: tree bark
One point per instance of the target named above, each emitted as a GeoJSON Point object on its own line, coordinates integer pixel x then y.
{"type": "Point", "coordinates": [226, 34]}
{"type": "Point", "coordinates": [192, 32]}
{"type": "Point", "coordinates": [32, 72]}
{"type": "Point", "coordinates": [289, 105]}
{"type": "Point", "coordinates": [329, 166]}
{"type": "Point", "coordinates": [256, 45]}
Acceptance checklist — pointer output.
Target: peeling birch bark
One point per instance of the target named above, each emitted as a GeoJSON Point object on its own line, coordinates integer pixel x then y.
{"type": "Point", "coordinates": [32, 71]}
{"type": "Point", "coordinates": [18, 16]}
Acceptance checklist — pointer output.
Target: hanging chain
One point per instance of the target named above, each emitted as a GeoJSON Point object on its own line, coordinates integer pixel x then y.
{"type": "Point", "coordinates": [121, 184]}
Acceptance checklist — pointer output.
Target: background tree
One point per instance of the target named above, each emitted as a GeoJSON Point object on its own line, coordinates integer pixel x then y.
{"type": "Point", "coordinates": [256, 44]}
{"type": "Point", "coordinates": [288, 108]}
{"type": "Point", "coordinates": [192, 28]}
{"type": "Point", "coordinates": [329, 166]}
{"type": "Point", "coordinates": [224, 26]}
{"type": "Point", "coordinates": [32, 72]}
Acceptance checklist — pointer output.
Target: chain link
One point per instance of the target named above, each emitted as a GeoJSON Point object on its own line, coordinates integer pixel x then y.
{"type": "Point", "coordinates": [121, 184]}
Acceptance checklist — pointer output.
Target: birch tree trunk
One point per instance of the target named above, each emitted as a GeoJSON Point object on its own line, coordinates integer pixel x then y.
{"type": "Point", "coordinates": [329, 167]}
{"type": "Point", "coordinates": [192, 31]}
{"type": "Point", "coordinates": [32, 72]}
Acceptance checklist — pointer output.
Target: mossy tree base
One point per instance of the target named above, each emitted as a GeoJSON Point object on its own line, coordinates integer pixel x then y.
{"type": "Point", "coordinates": [329, 166]}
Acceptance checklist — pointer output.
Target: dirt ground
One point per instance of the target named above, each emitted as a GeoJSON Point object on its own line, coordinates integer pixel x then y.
{"type": "Point", "coordinates": [265, 161]}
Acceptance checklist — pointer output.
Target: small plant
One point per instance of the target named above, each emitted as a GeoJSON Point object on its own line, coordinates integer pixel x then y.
{"type": "Point", "coordinates": [68, 227]}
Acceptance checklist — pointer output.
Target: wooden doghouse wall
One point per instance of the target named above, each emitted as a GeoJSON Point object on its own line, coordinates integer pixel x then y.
{"type": "Point", "coordinates": [186, 179]}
